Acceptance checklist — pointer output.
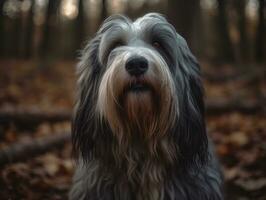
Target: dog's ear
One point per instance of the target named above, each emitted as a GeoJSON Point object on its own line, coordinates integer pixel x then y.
{"type": "Point", "coordinates": [191, 130]}
{"type": "Point", "coordinates": [88, 129]}
{"type": "Point", "coordinates": [84, 123]}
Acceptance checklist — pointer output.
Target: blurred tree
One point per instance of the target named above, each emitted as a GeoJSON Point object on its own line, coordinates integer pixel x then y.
{"type": "Point", "coordinates": [104, 12]}
{"type": "Point", "coordinates": [49, 27]}
{"type": "Point", "coordinates": [17, 34]}
{"type": "Point", "coordinates": [29, 31]}
{"type": "Point", "coordinates": [2, 33]}
{"type": "Point", "coordinates": [260, 38]}
{"type": "Point", "coordinates": [224, 43]}
{"type": "Point", "coordinates": [80, 32]}
{"type": "Point", "coordinates": [185, 15]}
{"type": "Point", "coordinates": [243, 46]}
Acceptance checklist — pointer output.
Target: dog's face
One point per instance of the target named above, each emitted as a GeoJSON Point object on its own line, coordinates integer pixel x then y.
{"type": "Point", "coordinates": [137, 91]}
{"type": "Point", "coordinates": [139, 80]}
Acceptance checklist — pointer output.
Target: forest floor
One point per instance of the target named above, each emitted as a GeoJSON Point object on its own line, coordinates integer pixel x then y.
{"type": "Point", "coordinates": [238, 129]}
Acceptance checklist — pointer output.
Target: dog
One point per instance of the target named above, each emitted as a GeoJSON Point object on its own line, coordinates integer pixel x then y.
{"type": "Point", "coordinates": [139, 128]}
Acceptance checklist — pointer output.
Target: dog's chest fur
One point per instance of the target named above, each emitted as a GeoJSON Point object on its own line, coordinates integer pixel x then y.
{"type": "Point", "coordinates": [94, 183]}
{"type": "Point", "coordinates": [138, 177]}
{"type": "Point", "coordinates": [132, 173]}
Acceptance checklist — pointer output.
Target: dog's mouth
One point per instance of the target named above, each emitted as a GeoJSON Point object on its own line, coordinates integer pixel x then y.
{"type": "Point", "coordinates": [138, 85]}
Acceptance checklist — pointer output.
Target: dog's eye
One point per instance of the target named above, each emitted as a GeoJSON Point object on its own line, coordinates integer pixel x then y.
{"type": "Point", "coordinates": [156, 44]}
{"type": "Point", "coordinates": [117, 44]}
{"type": "Point", "coordinates": [113, 46]}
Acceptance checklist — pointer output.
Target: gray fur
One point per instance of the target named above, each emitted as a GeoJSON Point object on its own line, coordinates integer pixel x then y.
{"type": "Point", "coordinates": [182, 165]}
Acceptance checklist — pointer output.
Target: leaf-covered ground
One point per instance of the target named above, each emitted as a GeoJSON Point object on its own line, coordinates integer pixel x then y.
{"type": "Point", "coordinates": [240, 139]}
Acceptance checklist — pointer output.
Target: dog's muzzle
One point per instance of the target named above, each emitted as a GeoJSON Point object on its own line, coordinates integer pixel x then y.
{"type": "Point", "coordinates": [136, 67]}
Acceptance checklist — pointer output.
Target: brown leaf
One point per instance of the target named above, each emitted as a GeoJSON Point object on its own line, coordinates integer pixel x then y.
{"type": "Point", "coordinates": [238, 138]}
{"type": "Point", "coordinates": [51, 164]}
{"type": "Point", "coordinates": [252, 184]}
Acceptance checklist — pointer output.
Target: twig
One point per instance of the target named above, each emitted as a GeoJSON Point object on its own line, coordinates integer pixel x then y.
{"type": "Point", "coordinates": [249, 76]}
{"type": "Point", "coordinates": [32, 116]}
{"type": "Point", "coordinates": [25, 150]}
{"type": "Point", "coordinates": [215, 107]}
{"type": "Point", "coordinates": [29, 118]}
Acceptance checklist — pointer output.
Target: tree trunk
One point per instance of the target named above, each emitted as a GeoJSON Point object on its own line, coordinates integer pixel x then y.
{"type": "Point", "coordinates": [241, 20]}
{"type": "Point", "coordinates": [260, 40]}
{"type": "Point", "coordinates": [2, 30]}
{"type": "Point", "coordinates": [80, 26]}
{"type": "Point", "coordinates": [104, 13]}
{"type": "Point", "coordinates": [225, 47]}
{"type": "Point", "coordinates": [17, 39]}
{"type": "Point", "coordinates": [29, 32]}
{"type": "Point", "coordinates": [49, 27]}
{"type": "Point", "coordinates": [184, 15]}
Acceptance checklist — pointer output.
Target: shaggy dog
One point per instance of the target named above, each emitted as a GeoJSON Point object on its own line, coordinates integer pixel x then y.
{"type": "Point", "coordinates": [139, 129]}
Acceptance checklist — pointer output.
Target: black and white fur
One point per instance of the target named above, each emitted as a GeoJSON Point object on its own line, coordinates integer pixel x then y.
{"type": "Point", "coordinates": [141, 137]}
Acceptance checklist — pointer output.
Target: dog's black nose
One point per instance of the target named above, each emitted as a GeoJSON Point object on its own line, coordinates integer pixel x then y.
{"type": "Point", "coordinates": [137, 65]}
